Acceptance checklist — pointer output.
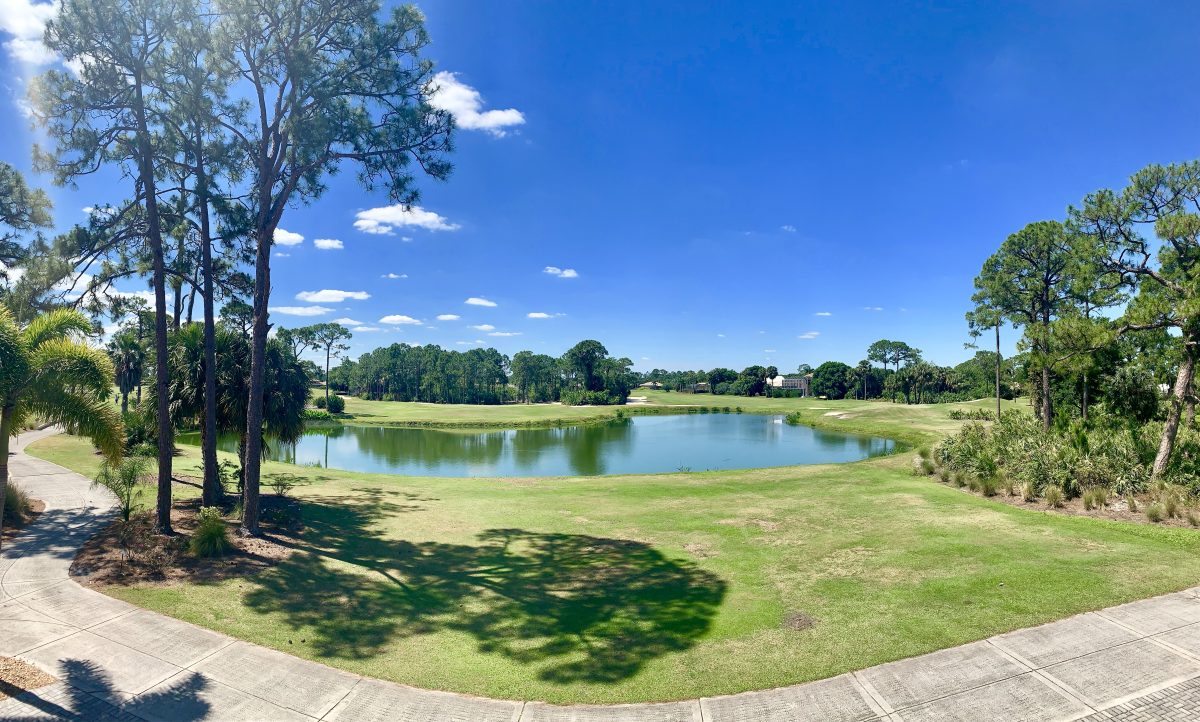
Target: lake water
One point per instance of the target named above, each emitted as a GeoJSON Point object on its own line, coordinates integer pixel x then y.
{"type": "Point", "coordinates": [635, 445]}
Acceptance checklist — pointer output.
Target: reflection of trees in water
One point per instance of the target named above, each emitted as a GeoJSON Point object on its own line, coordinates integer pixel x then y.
{"type": "Point", "coordinates": [586, 447]}
{"type": "Point", "coordinates": [588, 450]}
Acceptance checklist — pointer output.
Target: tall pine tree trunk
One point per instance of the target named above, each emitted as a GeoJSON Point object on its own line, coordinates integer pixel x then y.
{"type": "Point", "coordinates": [254, 407]}
{"type": "Point", "coordinates": [1183, 382]}
{"type": "Point", "coordinates": [166, 437]}
{"type": "Point", "coordinates": [998, 371]}
{"type": "Point", "coordinates": [212, 480]}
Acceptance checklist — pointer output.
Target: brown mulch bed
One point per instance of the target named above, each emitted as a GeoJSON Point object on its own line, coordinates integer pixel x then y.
{"type": "Point", "coordinates": [17, 677]}
{"type": "Point", "coordinates": [125, 554]}
{"type": "Point", "coordinates": [36, 507]}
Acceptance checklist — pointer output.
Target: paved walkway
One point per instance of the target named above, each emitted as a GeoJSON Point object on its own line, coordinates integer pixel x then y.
{"type": "Point", "coordinates": [1136, 662]}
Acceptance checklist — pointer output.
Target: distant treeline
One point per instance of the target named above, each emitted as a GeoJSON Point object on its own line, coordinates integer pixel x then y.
{"type": "Point", "coordinates": [585, 374]}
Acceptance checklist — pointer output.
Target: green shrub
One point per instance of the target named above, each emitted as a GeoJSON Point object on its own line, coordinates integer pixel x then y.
{"type": "Point", "coordinates": [988, 486]}
{"type": "Point", "coordinates": [972, 415]}
{"type": "Point", "coordinates": [792, 418]}
{"type": "Point", "coordinates": [1131, 502]}
{"type": "Point", "coordinates": [283, 483]}
{"type": "Point", "coordinates": [959, 479]}
{"type": "Point", "coordinates": [944, 475]}
{"type": "Point", "coordinates": [123, 479]}
{"type": "Point", "coordinates": [337, 405]}
{"type": "Point", "coordinates": [1096, 498]}
{"type": "Point", "coordinates": [1054, 496]}
{"type": "Point", "coordinates": [17, 507]}
{"type": "Point", "coordinates": [1154, 513]}
{"type": "Point", "coordinates": [1192, 519]}
{"type": "Point", "coordinates": [320, 402]}
{"type": "Point", "coordinates": [1028, 491]}
{"type": "Point", "coordinates": [1170, 506]}
{"type": "Point", "coordinates": [211, 537]}
{"type": "Point", "coordinates": [317, 415]}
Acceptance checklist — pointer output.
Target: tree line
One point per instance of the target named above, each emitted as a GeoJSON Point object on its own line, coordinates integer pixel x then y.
{"type": "Point", "coordinates": [1107, 301]}
{"type": "Point", "coordinates": [213, 119]}
{"type": "Point", "coordinates": [585, 374]}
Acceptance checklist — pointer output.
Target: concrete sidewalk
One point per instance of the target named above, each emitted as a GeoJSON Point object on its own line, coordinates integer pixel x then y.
{"type": "Point", "coordinates": [1136, 662]}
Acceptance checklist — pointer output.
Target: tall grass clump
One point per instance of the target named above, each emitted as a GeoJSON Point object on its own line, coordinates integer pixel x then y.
{"type": "Point", "coordinates": [211, 537]}
{"type": "Point", "coordinates": [17, 506]}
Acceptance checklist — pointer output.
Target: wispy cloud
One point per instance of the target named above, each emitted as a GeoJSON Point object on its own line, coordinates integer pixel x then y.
{"type": "Point", "coordinates": [809, 335]}
{"type": "Point", "coordinates": [505, 334]}
{"type": "Point", "coordinates": [26, 22]}
{"type": "Point", "coordinates": [301, 310]}
{"type": "Point", "coordinates": [394, 276]}
{"type": "Point", "coordinates": [448, 317]}
{"type": "Point", "coordinates": [561, 272]}
{"type": "Point", "coordinates": [466, 105]}
{"type": "Point", "coordinates": [540, 314]}
{"type": "Point", "coordinates": [366, 329]}
{"type": "Point", "coordinates": [347, 322]}
{"type": "Point", "coordinates": [823, 313]}
{"type": "Point", "coordinates": [329, 295]}
{"type": "Point", "coordinates": [328, 244]}
{"type": "Point", "coordinates": [789, 228]}
{"type": "Point", "coordinates": [477, 301]}
{"type": "Point", "coordinates": [872, 308]}
{"type": "Point", "coordinates": [484, 327]}
{"type": "Point", "coordinates": [400, 320]}
{"type": "Point", "coordinates": [385, 220]}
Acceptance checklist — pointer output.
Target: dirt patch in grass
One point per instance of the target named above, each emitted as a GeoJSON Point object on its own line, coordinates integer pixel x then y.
{"type": "Point", "coordinates": [17, 677]}
{"type": "Point", "coordinates": [11, 528]}
{"type": "Point", "coordinates": [128, 553]}
{"type": "Point", "coordinates": [700, 550]}
{"type": "Point", "coordinates": [798, 621]}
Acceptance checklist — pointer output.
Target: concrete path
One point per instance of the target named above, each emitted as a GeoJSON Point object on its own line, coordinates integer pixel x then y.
{"type": "Point", "coordinates": [1136, 662]}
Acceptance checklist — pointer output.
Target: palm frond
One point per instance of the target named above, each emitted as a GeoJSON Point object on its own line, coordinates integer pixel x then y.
{"type": "Point", "coordinates": [55, 325]}
{"type": "Point", "coordinates": [69, 364]}
{"type": "Point", "coordinates": [14, 357]}
{"type": "Point", "coordinates": [85, 415]}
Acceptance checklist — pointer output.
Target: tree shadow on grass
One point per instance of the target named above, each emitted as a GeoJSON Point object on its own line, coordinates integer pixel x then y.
{"type": "Point", "coordinates": [578, 608]}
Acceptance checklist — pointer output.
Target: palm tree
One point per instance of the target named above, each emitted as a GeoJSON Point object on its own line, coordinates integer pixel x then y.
{"type": "Point", "coordinates": [129, 358]}
{"type": "Point", "coordinates": [48, 373]}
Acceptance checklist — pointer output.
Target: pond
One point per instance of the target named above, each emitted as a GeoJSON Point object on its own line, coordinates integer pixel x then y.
{"type": "Point", "coordinates": [636, 445]}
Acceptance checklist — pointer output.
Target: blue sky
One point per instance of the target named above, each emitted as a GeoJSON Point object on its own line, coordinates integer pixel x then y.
{"type": "Point", "coordinates": [733, 184]}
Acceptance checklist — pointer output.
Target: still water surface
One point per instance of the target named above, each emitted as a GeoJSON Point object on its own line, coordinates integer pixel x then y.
{"type": "Point", "coordinates": [636, 445]}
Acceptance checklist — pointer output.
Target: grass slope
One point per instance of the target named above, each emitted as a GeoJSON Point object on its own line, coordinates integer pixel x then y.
{"type": "Point", "coordinates": [619, 589]}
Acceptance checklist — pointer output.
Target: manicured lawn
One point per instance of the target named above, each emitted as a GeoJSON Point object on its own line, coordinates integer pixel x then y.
{"type": "Point", "coordinates": [619, 589]}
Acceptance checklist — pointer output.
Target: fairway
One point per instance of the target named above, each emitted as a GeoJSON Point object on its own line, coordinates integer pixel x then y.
{"type": "Point", "coordinates": [634, 588]}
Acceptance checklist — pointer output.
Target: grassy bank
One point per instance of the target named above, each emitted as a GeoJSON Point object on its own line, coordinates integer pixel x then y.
{"type": "Point", "coordinates": [617, 589]}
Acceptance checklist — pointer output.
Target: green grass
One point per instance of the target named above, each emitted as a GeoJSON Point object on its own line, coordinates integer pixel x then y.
{"type": "Point", "coordinates": [620, 589]}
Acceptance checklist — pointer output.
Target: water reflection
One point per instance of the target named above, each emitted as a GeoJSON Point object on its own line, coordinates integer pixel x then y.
{"type": "Point", "coordinates": [643, 444]}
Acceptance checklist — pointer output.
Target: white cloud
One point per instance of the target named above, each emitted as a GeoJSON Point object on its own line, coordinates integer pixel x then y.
{"type": "Point", "coordinates": [400, 320]}
{"type": "Point", "coordinates": [872, 308]}
{"type": "Point", "coordinates": [476, 301]}
{"type": "Point", "coordinates": [768, 350]}
{"type": "Point", "coordinates": [505, 334]}
{"type": "Point", "coordinates": [468, 343]}
{"type": "Point", "coordinates": [465, 103]}
{"type": "Point", "coordinates": [720, 335]}
{"type": "Point", "coordinates": [809, 335]}
{"type": "Point", "coordinates": [384, 220]}
{"type": "Point", "coordinates": [366, 329]}
{"type": "Point", "coordinates": [329, 295]}
{"type": "Point", "coordinates": [788, 228]}
{"type": "Point", "coordinates": [281, 254]}
{"type": "Point", "coordinates": [347, 322]}
{"type": "Point", "coordinates": [448, 317]}
{"type": "Point", "coordinates": [823, 313]}
{"type": "Point", "coordinates": [287, 238]}
{"type": "Point", "coordinates": [394, 276]}
{"type": "Point", "coordinates": [484, 327]}
{"type": "Point", "coordinates": [561, 272]}
{"type": "Point", "coordinates": [328, 244]}
{"type": "Point", "coordinates": [301, 310]}
{"type": "Point", "coordinates": [26, 21]}
{"type": "Point", "coordinates": [539, 314]}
